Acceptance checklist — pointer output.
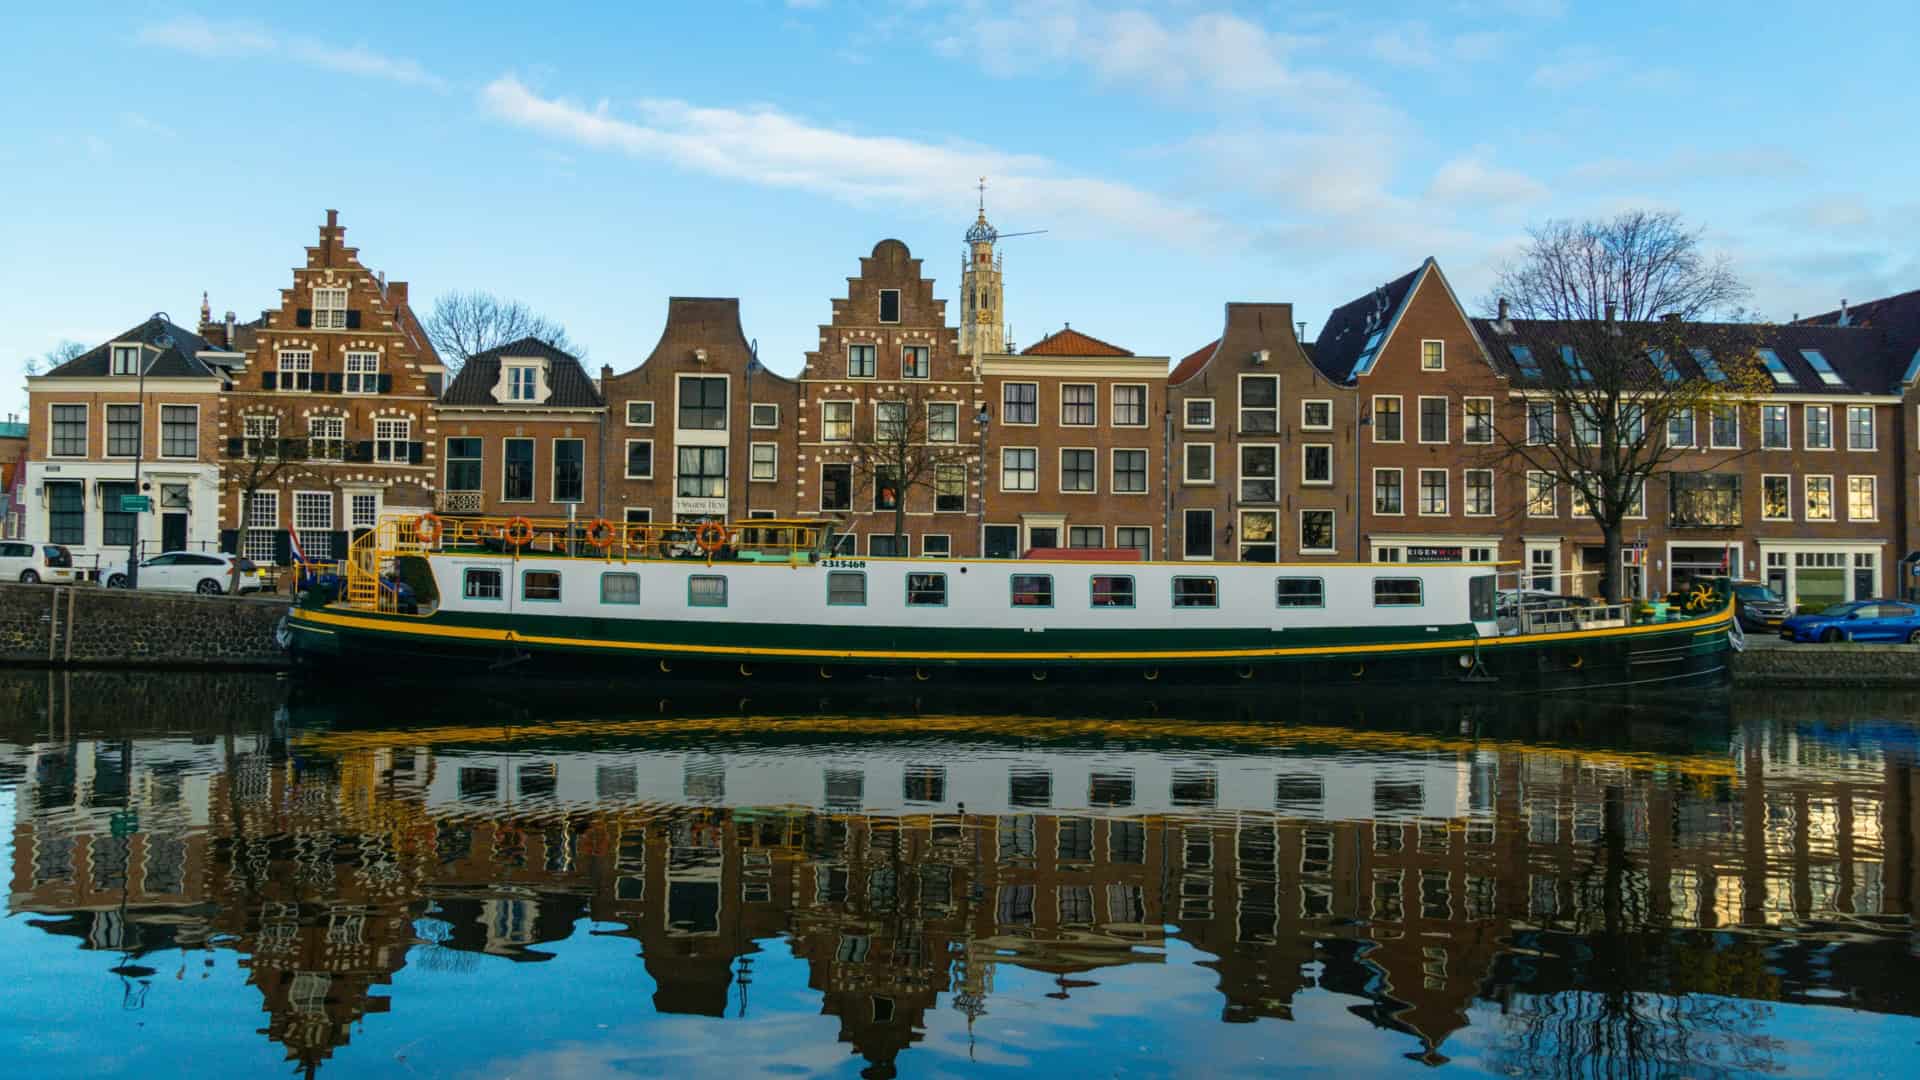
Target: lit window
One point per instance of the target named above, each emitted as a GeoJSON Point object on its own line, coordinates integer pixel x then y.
{"type": "Point", "coordinates": [1819, 498]}
{"type": "Point", "coordinates": [1433, 356]}
{"type": "Point", "coordinates": [1861, 503]}
{"type": "Point", "coordinates": [836, 421]}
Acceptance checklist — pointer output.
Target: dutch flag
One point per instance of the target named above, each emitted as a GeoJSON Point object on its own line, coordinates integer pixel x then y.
{"type": "Point", "coordinates": [299, 554]}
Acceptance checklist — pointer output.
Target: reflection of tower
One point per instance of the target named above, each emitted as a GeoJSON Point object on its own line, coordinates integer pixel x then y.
{"type": "Point", "coordinates": [982, 318]}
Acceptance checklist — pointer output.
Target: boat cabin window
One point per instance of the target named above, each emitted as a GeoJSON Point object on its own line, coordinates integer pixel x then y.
{"type": "Point", "coordinates": [1112, 591]}
{"type": "Point", "coordinates": [706, 590]}
{"type": "Point", "coordinates": [1033, 590]}
{"type": "Point", "coordinates": [619, 588]}
{"type": "Point", "coordinates": [481, 585]}
{"type": "Point", "coordinates": [1299, 592]}
{"type": "Point", "coordinates": [1396, 592]}
{"type": "Point", "coordinates": [540, 585]}
{"type": "Point", "coordinates": [926, 590]}
{"type": "Point", "coordinates": [1196, 592]}
{"type": "Point", "coordinates": [846, 588]}
{"type": "Point", "coordinates": [1480, 598]}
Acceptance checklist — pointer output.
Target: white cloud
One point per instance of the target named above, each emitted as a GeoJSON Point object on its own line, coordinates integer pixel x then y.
{"type": "Point", "coordinates": [201, 37]}
{"type": "Point", "coordinates": [1413, 45]}
{"type": "Point", "coordinates": [767, 147]}
{"type": "Point", "coordinates": [141, 122]}
{"type": "Point", "coordinates": [1470, 181]}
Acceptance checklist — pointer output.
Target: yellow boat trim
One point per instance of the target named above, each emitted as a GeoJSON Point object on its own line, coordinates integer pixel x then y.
{"type": "Point", "coordinates": [470, 633]}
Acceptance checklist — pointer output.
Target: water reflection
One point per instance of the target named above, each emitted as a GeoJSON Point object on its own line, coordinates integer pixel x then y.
{"type": "Point", "coordinates": [1559, 892]}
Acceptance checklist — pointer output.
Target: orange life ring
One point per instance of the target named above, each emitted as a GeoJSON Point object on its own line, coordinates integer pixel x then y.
{"type": "Point", "coordinates": [519, 532]}
{"type": "Point", "coordinates": [600, 533]}
{"type": "Point", "coordinates": [711, 536]}
{"type": "Point", "coordinates": [429, 528]}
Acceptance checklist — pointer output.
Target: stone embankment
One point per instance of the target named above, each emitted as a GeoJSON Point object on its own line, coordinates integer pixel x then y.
{"type": "Point", "coordinates": [1838, 665]}
{"type": "Point", "coordinates": [87, 626]}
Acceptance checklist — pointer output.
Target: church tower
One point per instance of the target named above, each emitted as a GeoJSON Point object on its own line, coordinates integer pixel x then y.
{"type": "Point", "coordinates": [982, 317]}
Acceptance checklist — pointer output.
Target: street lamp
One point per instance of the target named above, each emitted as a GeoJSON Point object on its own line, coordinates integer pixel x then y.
{"type": "Point", "coordinates": [981, 420]}
{"type": "Point", "coordinates": [164, 342]}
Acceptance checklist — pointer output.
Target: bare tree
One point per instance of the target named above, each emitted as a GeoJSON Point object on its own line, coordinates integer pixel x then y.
{"type": "Point", "coordinates": [465, 323]}
{"type": "Point", "coordinates": [1622, 330]}
{"type": "Point", "coordinates": [906, 450]}
{"type": "Point", "coordinates": [259, 454]}
{"type": "Point", "coordinates": [54, 357]}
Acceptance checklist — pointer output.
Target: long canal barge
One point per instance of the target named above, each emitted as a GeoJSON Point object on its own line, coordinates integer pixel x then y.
{"type": "Point", "coordinates": [773, 599]}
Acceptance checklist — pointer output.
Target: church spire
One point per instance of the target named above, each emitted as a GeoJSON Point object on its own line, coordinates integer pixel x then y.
{"type": "Point", "coordinates": [981, 312]}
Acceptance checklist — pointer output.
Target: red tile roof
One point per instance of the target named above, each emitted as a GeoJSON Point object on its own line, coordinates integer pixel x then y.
{"type": "Point", "coordinates": [1071, 342]}
{"type": "Point", "coordinates": [1190, 364]}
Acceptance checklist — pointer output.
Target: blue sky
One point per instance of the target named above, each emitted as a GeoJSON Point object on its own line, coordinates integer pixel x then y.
{"type": "Point", "coordinates": [1181, 155]}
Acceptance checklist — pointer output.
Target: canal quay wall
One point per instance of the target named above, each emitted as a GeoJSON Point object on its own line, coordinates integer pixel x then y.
{"type": "Point", "coordinates": [88, 626]}
{"type": "Point", "coordinates": [1836, 665]}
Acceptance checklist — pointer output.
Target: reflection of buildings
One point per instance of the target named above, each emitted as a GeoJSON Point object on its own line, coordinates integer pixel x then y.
{"type": "Point", "coordinates": [1412, 882]}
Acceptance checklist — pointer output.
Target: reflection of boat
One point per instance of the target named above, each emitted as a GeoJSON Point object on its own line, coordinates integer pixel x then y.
{"type": "Point", "coordinates": [772, 599]}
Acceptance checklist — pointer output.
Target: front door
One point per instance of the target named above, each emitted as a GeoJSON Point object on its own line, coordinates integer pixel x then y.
{"type": "Point", "coordinates": [173, 532]}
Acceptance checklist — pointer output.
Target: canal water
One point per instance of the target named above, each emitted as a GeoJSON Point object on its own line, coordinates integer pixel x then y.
{"type": "Point", "coordinates": [239, 876]}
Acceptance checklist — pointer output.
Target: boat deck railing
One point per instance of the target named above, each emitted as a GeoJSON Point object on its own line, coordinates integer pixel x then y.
{"type": "Point", "coordinates": [369, 565]}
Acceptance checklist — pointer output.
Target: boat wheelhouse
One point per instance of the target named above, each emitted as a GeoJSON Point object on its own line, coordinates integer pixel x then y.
{"type": "Point", "coordinates": [769, 597]}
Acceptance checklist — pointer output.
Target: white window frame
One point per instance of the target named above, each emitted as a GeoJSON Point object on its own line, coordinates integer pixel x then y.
{"type": "Point", "coordinates": [352, 499]}
{"type": "Point", "coordinates": [530, 374]}
{"type": "Point", "coordinates": [1713, 442]}
{"type": "Point", "coordinates": [304, 368]}
{"type": "Point", "coordinates": [1873, 429]}
{"type": "Point", "coordinates": [892, 421]}
{"type": "Point", "coordinates": [925, 372]}
{"type": "Point", "coordinates": [269, 424]}
{"type": "Point", "coordinates": [1240, 542]}
{"type": "Point", "coordinates": [1308, 403]}
{"type": "Point", "coordinates": [821, 475]}
{"type": "Point", "coordinates": [1493, 494]}
{"type": "Point", "coordinates": [648, 422]}
{"type": "Point", "coordinates": [955, 406]}
{"type": "Point", "coordinates": [533, 468]}
{"type": "Point", "coordinates": [553, 468]}
{"type": "Point", "coordinates": [326, 316]}
{"type": "Point", "coordinates": [1806, 441]}
{"type": "Point", "coordinates": [1787, 412]}
{"type": "Point", "coordinates": [1446, 509]}
{"type": "Point", "coordinates": [258, 542]}
{"type": "Point", "coordinates": [880, 305]}
{"type": "Point", "coordinates": [114, 353]}
{"type": "Point", "coordinates": [1240, 470]}
{"type": "Point", "coordinates": [1693, 429]}
{"type": "Point", "coordinates": [1301, 531]}
{"type": "Point", "coordinates": [873, 355]}
{"type": "Point", "coordinates": [314, 438]}
{"type": "Point", "coordinates": [753, 416]}
{"type": "Point", "coordinates": [626, 460]}
{"type": "Point", "coordinates": [86, 428]}
{"type": "Point", "coordinates": [406, 436]}
{"type": "Point", "coordinates": [1186, 414]}
{"type": "Point", "coordinates": [1553, 488]}
{"type": "Point", "coordinates": [1113, 470]}
{"type": "Point", "coordinates": [1060, 461]}
{"type": "Point", "coordinates": [1873, 492]}
{"type": "Point", "coordinates": [1373, 492]}
{"type": "Point", "coordinates": [753, 464]}
{"type": "Point", "coordinates": [1240, 403]}
{"type": "Point", "coordinates": [1307, 481]}
{"type": "Point", "coordinates": [1552, 426]}
{"type": "Point", "coordinates": [1094, 405]}
{"type": "Point", "coordinates": [1806, 498]}
{"type": "Point", "coordinates": [106, 430]}
{"type": "Point", "coordinates": [1424, 342]}
{"type": "Point", "coordinates": [161, 409]}
{"type": "Point", "coordinates": [1213, 465]}
{"type": "Point", "coordinates": [312, 498]}
{"type": "Point", "coordinates": [1035, 422]}
{"type": "Point", "coordinates": [853, 420]}
{"type": "Point", "coordinates": [1002, 478]}
{"type": "Point", "coordinates": [1113, 404]}
{"type": "Point", "coordinates": [1446, 420]}
{"type": "Point", "coordinates": [362, 376]}
{"type": "Point", "coordinates": [946, 546]}
{"type": "Point", "coordinates": [1764, 477]}
{"type": "Point", "coordinates": [1466, 429]}
{"type": "Point", "coordinates": [1400, 410]}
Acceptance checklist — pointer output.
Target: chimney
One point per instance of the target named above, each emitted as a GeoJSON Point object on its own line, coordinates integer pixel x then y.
{"type": "Point", "coordinates": [333, 219]}
{"type": "Point", "coordinates": [1613, 310]}
{"type": "Point", "coordinates": [230, 331]}
{"type": "Point", "coordinates": [1503, 309]}
{"type": "Point", "coordinates": [396, 294]}
{"type": "Point", "coordinates": [1299, 331]}
{"type": "Point", "coordinates": [1845, 319]}
{"type": "Point", "coordinates": [1671, 316]}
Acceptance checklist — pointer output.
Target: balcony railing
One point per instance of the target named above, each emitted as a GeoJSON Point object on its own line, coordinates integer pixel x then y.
{"type": "Point", "coordinates": [458, 502]}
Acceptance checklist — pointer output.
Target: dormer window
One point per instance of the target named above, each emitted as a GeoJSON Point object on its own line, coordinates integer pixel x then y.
{"type": "Point", "coordinates": [126, 359]}
{"type": "Point", "coordinates": [522, 381]}
{"type": "Point", "coordinates": [330, 309]}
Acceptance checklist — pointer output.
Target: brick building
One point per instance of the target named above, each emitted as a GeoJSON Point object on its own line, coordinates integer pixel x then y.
{"type": "Point", "coordinates": [1260, 442]}
{"type": "Point", "coordinates": [1076, 447]}
{"type": "Point", "coordinates": [888, 357]}
{"type": "Point", "coordinates": [339, 380]}
{"type": "Point", "coordinates": [522, 429]}
{"type": "Point", "coordinates": [700, 430]}
{"type": "Point", "coordinates": [150, 395]}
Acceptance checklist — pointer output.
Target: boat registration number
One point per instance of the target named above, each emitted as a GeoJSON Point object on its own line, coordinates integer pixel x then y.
{"type": "Point", "coordinates": [845, 564]}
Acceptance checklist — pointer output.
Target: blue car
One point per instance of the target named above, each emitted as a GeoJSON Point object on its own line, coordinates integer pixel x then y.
{"type": "Point", "coordinates": [1858, 620]}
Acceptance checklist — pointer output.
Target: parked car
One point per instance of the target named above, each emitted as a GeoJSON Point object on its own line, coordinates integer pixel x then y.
{"type": "Point", "coordinates": [1857, 620]}
{"type": "Point", "coordinates": [32, 563]}
{"type": "Point", "coordinates": [1757, 606]}
{"type": "Point", "coordinates": [206, 572]}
